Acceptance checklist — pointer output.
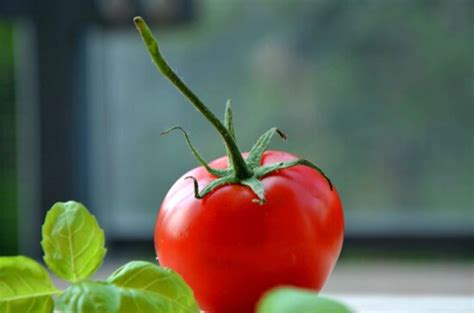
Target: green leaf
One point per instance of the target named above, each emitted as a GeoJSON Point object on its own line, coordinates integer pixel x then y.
{"type": "Point", "coordinates": [25, 286]}
{"type": "Point", "coordinates": [146, 287]}
{"type": "Point", "coordinates": [73, 242]}
{"type": "Point", "coordinates": [90, 297]}
{"type": "Point", "coordinates": [296, 300]}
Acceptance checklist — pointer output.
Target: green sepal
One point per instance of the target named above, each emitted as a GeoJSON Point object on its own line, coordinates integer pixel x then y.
{"type": "Point", "coordinates": [211, 186]}
{"type": "Point", "coordinates": [197, 155]}
{"type": "Point", "coordinates": [257, 187]}
{"type": "Point", "coordinates": [267, 169]}
{"type": "Point", "coordinates": [255, 155]}
{"type": "Point", "coordinates": [229, 119]}
{"type": "Point", "coordinates": [253, 183]}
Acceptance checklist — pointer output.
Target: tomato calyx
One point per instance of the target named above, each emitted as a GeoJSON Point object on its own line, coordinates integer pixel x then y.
{"type": "Point", "coordinates": [247, 172]}
{"type": "Point", "coordinates": [197, 155]}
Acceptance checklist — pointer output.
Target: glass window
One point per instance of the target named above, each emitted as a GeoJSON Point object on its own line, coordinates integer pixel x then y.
{"type": "Point", "coordinates": [379, 95]}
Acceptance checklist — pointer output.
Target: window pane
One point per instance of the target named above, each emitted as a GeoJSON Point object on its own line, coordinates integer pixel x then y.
{"type": "Point", "coordinates": [378, 94]}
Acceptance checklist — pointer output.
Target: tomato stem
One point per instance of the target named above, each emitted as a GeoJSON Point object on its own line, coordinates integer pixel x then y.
{"type": "Point", "coordinates": [239, 167]}
{"type": "Point", "coordinates": [247, 172]}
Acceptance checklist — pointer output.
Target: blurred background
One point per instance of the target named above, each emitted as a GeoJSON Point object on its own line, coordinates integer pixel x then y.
{"type": "Point", "coordinates": [377, 93]}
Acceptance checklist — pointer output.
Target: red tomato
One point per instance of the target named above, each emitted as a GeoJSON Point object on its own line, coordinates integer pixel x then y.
{"type": "Point", "coordinates": [230, 250]}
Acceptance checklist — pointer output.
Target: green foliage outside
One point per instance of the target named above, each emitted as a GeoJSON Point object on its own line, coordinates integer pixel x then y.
{"type": "Point", "coordinates": [8, 202]}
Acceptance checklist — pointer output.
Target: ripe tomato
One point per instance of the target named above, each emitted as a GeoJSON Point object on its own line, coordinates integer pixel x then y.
{"type": "Point", "coordinates": [229, 246]}
{"type": "Point", "coordinates": [230, 249]}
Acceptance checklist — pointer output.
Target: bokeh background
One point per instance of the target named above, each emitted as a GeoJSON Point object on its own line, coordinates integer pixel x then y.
{"type": "Point", "coordinates": [377, 93]}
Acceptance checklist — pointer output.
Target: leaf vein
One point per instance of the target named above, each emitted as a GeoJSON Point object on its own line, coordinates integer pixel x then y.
{"type": "Point", "coordinates": [71, 252]}
{"type": "Point", "coordinates": [84, 248]}
{"type": "Point", "coordinates": [134, 275]}
{"type": "Point", "coordinates": [35, 295]}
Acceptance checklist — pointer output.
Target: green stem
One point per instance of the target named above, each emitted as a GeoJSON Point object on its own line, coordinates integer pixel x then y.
{"type": "Point", "coordinates": [242, 171]}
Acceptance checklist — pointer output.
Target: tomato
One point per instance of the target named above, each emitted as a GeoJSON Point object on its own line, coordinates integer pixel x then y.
{"type": "Point", "coordinates": [230, 249]}
{"type": "Point", "coordinates": [246, 222]}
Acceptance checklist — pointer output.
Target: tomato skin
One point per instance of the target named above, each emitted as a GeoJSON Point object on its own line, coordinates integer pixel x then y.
{"type": "Point", "coordinates": [231, 250]}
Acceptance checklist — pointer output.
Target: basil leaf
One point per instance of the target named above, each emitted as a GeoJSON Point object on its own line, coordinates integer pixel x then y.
{"type": "Point", "coordinates": [146, 287]}
{"type": "Point", "coordinates": [25, 286]}
{"type": "Point", "coordinates": [296, 300]}
{"type": "Point", "coordinates": [73, 242]}
{"type": "Point", "coordinates": [90, 297]}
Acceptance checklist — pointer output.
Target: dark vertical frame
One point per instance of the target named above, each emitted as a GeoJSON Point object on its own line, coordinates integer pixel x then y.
{"type": "Point", "coordinates": [58, 37]}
